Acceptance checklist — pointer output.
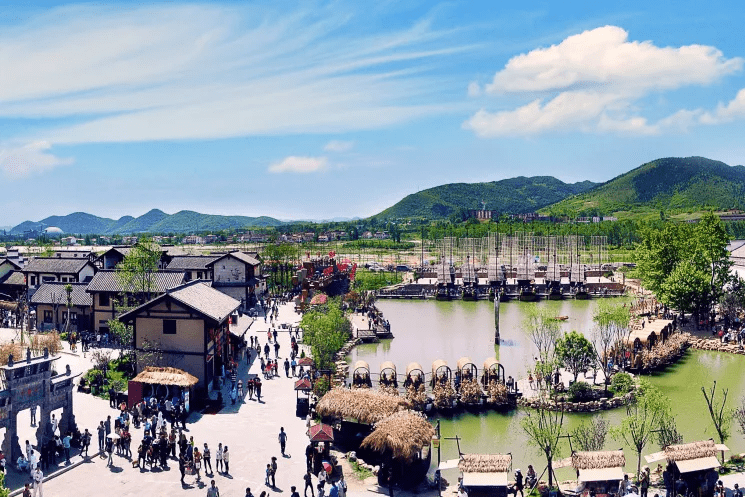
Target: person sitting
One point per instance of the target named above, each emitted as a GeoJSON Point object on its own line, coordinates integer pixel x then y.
{"type": "Point", "coordinates": [22, 463]}
{"type": "Point", "coordinates": [530, 477]}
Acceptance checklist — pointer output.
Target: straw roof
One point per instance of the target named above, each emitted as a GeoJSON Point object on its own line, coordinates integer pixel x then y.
{"type": "Point", "coordinates": [388, 365]}
{"type": "Point", "coordinates": [8, 306]}
{"type": "Point", "coordinates": [361, 365]}
{"type": "Point", "coordinates": [403, 434]}
{"type": "Point", "coordinates": [166, 376]}
{"type": "Point", "coordinates": [414, 367]}
{"type": "Point", "coordinates": [367, 406]}
{"type": "Point", "coordinates": [693, 450]}
{"type": "Point", "coordinates": [464, 362]}
{"type": "Point", "coordinates": [439, 363]}
{"type": "Point", "coordinates": [491, 363]}
{"type": "Point", "coordinates": [485, 463]}
{"type": "Point", "coordinates": [598, 459]}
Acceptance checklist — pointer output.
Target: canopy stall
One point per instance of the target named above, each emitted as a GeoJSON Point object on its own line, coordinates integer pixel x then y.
{"type": "Point", "coordinates": [361, 375]}
{"type": "Point", "coordinates": [163, 383]}
{"type": "Point", "coordinates": [441, 372]}
{"type": "Point", "coordinates": [690, 457]}
{"type": "Point", "coordinates": [388, 375]}
{"type": "Point", "coordinates": [485, 474]}
{"type": "Point", "coordinates": [600, 469]}
{"type": "Point", "coordinates": [492, 371]}
{"type": "Point", "coordinates": [302, 404]}
{"type": "Point", "coordinates": [414, 375]}
{"type": "Point", "coordinates": [321, 433]}
{"type": "Point", "coordinates": [466, 369]}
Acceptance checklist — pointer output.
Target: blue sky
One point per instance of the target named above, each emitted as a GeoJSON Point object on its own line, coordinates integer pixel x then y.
{"type": "Point", "coordinates": [312, 110]}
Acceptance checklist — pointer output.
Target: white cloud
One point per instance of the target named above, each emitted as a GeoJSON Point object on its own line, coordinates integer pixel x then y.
{"type": "Point", "coordinates": [171, 72]}
{"type": "Point", "coordinates": [593, 82]}
{"type": "Point", "coordinates": [338, 146]}
{"type": "Point", "coordinates": [474, 89]}
{"type": "Point", "coordinates": [24, 160]}
{"type": "Point", "coordinates": [734, 109]}
{"type": "Point", "coordinates": [293, 164]}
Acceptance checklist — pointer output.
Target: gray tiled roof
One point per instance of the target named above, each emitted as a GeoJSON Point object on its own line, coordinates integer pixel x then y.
{"type": "Point", "coordinates": [107, 281]}
{"type": "Point", "coordinates": [13, 278]}
{"type": "Point", "coordinates": [12, 262]}
{"type": "Point", "coordinates": [54, 293]}
{"type": "Point", "coordinates": [55, 265]}
{"type": "Point", "coordinates": [191, 262]}
{"type": "Point", "coordinates": [205, 299]}
{"type": "Point", "coordinates": [243, 258]}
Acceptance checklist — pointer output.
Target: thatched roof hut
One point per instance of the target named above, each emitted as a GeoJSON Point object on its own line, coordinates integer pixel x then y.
{"type": "Point", "coordinates": [485, 470]}
{"type": "Point", "coordinates": [690, 457]}
{"type": "Point", "coordinates": [166, 376]}
{"type": "Point", "coordinates": [366, 406]}
{"type": "Point", "coordinates": [403, 434]}
{"type": "Point", "coordinates": [599, 465]}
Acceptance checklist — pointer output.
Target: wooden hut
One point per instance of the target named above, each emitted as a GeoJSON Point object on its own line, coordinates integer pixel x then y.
{"type": "Point", "coordinates": [599, 470]}
{"type": "Point", "coordinates": [485, 474]}
{"type": "Point", "coordinates": [364, 406]}
{"type": "Point", "coordinates": [162, 383]}
{"type": "Point", "coordinates": [361, 375]}
{"type": "Point", "coordinates": [402, 441]}
{"type": "Point", "coordinates": [388, 375]}
{"type": "Point", "coordinates": [692, 461]}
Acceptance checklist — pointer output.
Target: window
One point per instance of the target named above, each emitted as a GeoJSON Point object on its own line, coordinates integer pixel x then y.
{"type": "Point", "coordinates": [33, 281]}
{"type": "Point", "coordinates": [46, 279]}
{"type": "Point", "coordinates": [47, 316]}
{"type": "Point", "coordinates": [199, 275]}
{"type": "Point", "coordinates": [103, 299]}
{"type": "Point", "coordinates": [169, 326]}
{"type": "Point", "coordinates": [73, 318]}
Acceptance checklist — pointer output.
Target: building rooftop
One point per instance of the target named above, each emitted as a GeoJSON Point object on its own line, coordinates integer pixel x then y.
{"type": "Point", "coordinates": [205, 299]}
{"type": "Point", "coordinates": [55, 265]}
{"type": "Point", "coordinates": [108, 281]}
{"type": "Point", "coordinates": [55, 293]}
{"type": "Point", "coordinates": [240, 256]}
{"type": "Point", "coordinates": [191, 262]}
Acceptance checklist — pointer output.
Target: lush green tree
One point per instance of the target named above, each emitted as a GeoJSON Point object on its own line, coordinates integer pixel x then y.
{"type": "Point", "coordinates": [326, 330]}
{"type": "Point", "coordinates": [721, 415]}
{"type": "Point", "coordinates": [543, 427]}
{"type": "Point", "coordinates": [668, 432]}
{"type": "Point", "coordinates": [136, 272]}
{"type": "Point", "coordinates": [643, 418]}
{"type": "Point", "coordinates": [575, 352]}
{"type": "Point", "coordinates": [611, 329]}
{"type": "Point", "coordinates": [544, 331]}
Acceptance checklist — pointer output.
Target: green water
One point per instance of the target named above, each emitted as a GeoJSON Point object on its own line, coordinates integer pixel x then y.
{"type": "Point", "coordinates": [428, 330]}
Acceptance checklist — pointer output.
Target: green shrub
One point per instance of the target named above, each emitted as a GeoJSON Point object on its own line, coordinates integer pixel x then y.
{"type": "Point", "coordinates": [621, 383]}
{"type": "Point", "coordinates": [580, 392]}
{"type": "Point", "coordinates": [63, 336]}
{"type": "Point", "coordinates": [321, 386]}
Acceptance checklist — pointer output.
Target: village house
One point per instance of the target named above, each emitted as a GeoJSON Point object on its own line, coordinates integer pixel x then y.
{"type": "Point", "coordinates": [7, 266]}
{"type": "Point", "coordinates": [106, 290]}
{"type": "Point", "coordinates": [50, 269]}
{"type": "Point", "coordinates": [188, 327]}
{"type": "Point", "coordinates": [12, 281]}
{"type": "Point", "coordinates": [195, 266]}
{"type": "Point", "coordinates": [192, 240]}
{"type": "Point", "coordinates": [50, 301]}
{"type": "Point", "coordinates": [112, 257]}
{"type": "Point", "coordinates": [367, 235]}
{"type": "Point", "coordinates": [238, 275]}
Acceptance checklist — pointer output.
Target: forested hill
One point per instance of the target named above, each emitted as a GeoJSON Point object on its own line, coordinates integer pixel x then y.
{"type": "Point", "coordinates": [513, 196]}
{"type": "Point", "coordinates": [673, 185]}
{"type": "Point", "coordinates": [154, 221]}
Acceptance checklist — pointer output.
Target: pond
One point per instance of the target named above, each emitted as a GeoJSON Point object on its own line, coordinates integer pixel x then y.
{"type": "Point", "coordinates": [428, 330]}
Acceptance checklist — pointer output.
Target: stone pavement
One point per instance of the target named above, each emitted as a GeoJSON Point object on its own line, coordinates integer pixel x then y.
{"type": "Point", "coordinates": [249, 429]}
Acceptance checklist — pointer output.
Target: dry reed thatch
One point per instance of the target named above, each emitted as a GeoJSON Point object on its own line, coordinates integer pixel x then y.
{"type": "Point", "coordinates": [37, 343]}
{"type": "Point", "coordinates": [362, 365]}
{"type": "Point", "coordinates": [365, 405]}
{"type": "Point", "coordinates": [470, 391]}
{"type": "Point", "coordinates": [8, 306]}
{"type": "Point", "coordinates": [491, 365]}
{"type": "Point", "coordinates": [403, 434]}
{"type": "Point", "coordinates": [388, 366]}
{"type": "Point", "coordinates": [166, 376]}
{"type": "Point", "coordinates": [417, 396]}
{"type": "Point", "coordinates": [388, 390]}
{"type": "Point", "coordinates": [465, 363]}
{"type": "Point", "coordinates": [443, 394]}
{"type": "Point", "coordinates": [693, 450]}
{"type": "Point", "coordinates": [485, 463]}
{"type": "Point", "coordinates": [497, 393]}
{"type": "Point", "coordinates": [439, 363]}
{"type": "Point", "coordinates": [414, 367]}
{"type": "Point", "coordinates": [598, 459]}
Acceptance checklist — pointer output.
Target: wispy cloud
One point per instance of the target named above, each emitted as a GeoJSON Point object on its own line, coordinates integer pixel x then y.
{"type": "Point", "coordinates": [338, 146]}
{"type": "Point", "coordinates": [172, 72]}
{"type": "Point", "coordinates": [21, 161]}
{"type": "Point", "coordinates": [294, 164]}
{"type": "Point", "coordinates": [593, 82]}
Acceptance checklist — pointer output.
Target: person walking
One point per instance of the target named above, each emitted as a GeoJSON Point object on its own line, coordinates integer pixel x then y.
{"type": "Point", "coordinates": [101, 436]}
{"type": "Point", "coordinates": [268, 475]}
{"type": "Point", "coordinates": [26, 491]}
{"type": "Point", "coordinates": [257, 386]}
{"type": "Point", "coordinates": [33, 415]}
{"type": "Point", "coordinates": [109, 451]}
{"type": "Point", "coordinates": [218, 458]}
{"type": "Point", "coordinates": [248, 492]}
{"type": "Point", "coordinates": [308, 478]}
{"type": "Point", "coordinates": [287, 367]}
{"type": "Point", "coordinates": [274, 472]}
{"type": "Point", "coordinates": [38, 478]}
{"type": "Point", "coordinates": [519, 483]}
{"type": "Point", "coordinates": [207, 456]}
{"type": "Point", "coordinates": [282, 439]}
{"type": "Point", "coordinates": [86, 441]}
{"type": "Point", "coordinates": [644, 482]}
{"type": "Point", "coordinates": [276, 350]}
{"type": "Point", "coordinates": [293, 491]}
{"type": "Point", "coordinates": [66, 445]}
{"type": "Point", "coordinates": [226, 460]}
{"type": "Point", "coordinates": [250, 388]}
{"type": "Point", "coordinates": [213, 491]}
{"type": "Point", "coordinates": [197, 458]}
{"type": "Point", "coordinates": [182, 466]}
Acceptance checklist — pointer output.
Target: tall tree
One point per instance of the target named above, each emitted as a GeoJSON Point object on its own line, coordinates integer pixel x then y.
{"type": "Point", "coordinates": [136, 272]}
{"type": "Point", "coordinates": [643, 417]}
{"type": "Point", "coordinates": [544, 331]}
{"type": "Point", "coordinates": [326, 330]}
{"type": "Point", "coordinates": [611, 328]}
{"type": "Point", "coordinates": [720, 414]}
{"type": "Point", "coordinates": [575, 352]}
{"type": "Point", "coordinates": [590, 435]}
{"type": "Point", "coordinates": [543, 428]}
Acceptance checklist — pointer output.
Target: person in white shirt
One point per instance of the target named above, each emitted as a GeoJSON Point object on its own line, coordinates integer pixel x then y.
{"type": "Point", "coordinates": [38, 478]}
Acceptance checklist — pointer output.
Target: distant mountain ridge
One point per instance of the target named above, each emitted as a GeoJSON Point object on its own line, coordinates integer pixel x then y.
{"type": "Point", "coordinates": [672, 184]}
{"type": "Point", "coordinates": [154, 221]}
{"type": "Point", "coordinates": [513, 196]}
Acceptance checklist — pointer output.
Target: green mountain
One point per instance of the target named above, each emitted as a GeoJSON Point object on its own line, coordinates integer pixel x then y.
{"type": "Point", "coordinates": [154, 221]}
{"type": "Point", "coordinates": [675, 185]}
{"type": "Point", "coordinates": [513, 196]}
